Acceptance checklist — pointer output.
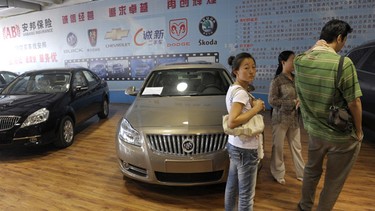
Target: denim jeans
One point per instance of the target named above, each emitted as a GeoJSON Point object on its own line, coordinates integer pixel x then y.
{"type": "Point", "coordinates": [242, 177]}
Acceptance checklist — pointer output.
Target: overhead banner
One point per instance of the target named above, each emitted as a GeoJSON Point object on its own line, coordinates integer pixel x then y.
{"type": "Point", "coordinates": [123, 40]}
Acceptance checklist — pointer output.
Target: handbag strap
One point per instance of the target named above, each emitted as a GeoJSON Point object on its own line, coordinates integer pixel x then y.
{"type": "Point", "coordinates": [240, 87]}
{"type": "Point", "coordinates": [339, 73]}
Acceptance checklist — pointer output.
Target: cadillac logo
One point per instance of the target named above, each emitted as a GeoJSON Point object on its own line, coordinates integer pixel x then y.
{"type": "Point", "coordinates": [188, 145]}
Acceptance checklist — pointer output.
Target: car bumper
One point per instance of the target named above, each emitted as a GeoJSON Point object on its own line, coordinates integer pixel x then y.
{"type": "Point", "coordinates": [150, 166]}
{"type": "Point", "coordinates": [32, 135]}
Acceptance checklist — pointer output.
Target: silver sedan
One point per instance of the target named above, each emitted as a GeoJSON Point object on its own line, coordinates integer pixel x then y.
{"type": "Point", "coordinates": [172, 133]}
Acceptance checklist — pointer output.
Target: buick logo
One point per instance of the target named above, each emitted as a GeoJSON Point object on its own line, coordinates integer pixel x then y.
{"type": "Point", "coordinates": [71, 39]}
{"type": "Point", "coordinates": [188, 145]}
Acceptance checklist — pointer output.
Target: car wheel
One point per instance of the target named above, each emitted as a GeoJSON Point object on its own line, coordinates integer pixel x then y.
{"type": "Point", "coordinates": [65, 136]}
{"type": "Point", "coordinates": [105, 110]}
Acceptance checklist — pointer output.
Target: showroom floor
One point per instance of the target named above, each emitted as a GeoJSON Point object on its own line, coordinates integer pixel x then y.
{"type": "Point", "coordinates": [85, 176]}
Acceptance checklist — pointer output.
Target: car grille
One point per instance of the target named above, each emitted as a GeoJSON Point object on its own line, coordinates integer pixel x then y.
{"type": "Point", "coordinates": [7, 122]}
{"type": "Point", "coordinates": [182, 145]}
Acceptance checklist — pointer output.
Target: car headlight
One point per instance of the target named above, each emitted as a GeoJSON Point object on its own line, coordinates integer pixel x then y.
{"type": "Point", "coordinates": [128, 134]}
{"type": "Point", "coordinates": [37, 117]}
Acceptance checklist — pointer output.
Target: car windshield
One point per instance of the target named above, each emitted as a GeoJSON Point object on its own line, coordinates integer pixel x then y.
{"type": "Point", "coordinates": [39, 83]}
{"type": "Point", "coordinates": [187, 82]}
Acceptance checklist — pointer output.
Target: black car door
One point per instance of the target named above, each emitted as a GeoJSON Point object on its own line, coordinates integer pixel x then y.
{"type": "Point", "coordinates": [95, 90]}
{"type": "Point", "coordinates": [364, 60]}
{"type": "Point", "coordinates": [81, 96]}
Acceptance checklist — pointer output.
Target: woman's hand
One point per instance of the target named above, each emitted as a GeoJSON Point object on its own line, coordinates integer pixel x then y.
{"type": "Point", "coordinates": [297, 102]}
{"type": "Point", "coordinates": [259, 105]}
{"type": "Point", "coordinates": [360, 135]}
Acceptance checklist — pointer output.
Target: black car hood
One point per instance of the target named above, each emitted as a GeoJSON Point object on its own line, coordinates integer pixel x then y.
{"type": "Point", "coordinates": [21, 105]}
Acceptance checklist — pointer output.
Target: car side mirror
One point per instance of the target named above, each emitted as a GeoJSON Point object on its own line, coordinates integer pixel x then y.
{"type": "Point", "coordinates": [131, 91]}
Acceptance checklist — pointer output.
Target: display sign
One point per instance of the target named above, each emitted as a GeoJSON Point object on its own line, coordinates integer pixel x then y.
{"type": "Point", "coordinates": [123, 40]}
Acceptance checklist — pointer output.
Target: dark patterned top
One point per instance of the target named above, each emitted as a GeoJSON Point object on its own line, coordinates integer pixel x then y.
{"type": "Point", "coordinates": [282, 96]}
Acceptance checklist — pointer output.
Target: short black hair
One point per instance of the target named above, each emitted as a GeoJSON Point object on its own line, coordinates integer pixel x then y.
{"type": "Point", "coordinates": [333, 28]}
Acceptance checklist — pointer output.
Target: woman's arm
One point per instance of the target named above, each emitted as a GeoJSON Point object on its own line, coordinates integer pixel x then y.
{"type": "Point", "coordinates": [236, 118]}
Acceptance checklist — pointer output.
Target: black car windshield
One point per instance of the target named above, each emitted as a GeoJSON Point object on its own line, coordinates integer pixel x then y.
{"type": "Point", "coordinates": [187, 82]}
{"type": "Point", "coordinates": [39, 83]}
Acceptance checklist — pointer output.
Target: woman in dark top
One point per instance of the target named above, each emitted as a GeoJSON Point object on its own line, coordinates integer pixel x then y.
{"type": "Point", "coordinates": [283, 98]}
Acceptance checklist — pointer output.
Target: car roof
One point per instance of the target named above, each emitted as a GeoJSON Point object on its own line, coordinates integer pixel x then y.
{"type": "Point", "coordinates": [55, 70]}
{"type": "Point", "coordinates": [9, 72]}
{"type": "Point", "coordinates": [364, 45]}
{"type": "Point", "coordinates": [189, 65]}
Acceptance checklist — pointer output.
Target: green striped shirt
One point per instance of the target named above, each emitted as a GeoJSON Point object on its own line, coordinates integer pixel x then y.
{"type": "Point", "coordinates": [316, 72]}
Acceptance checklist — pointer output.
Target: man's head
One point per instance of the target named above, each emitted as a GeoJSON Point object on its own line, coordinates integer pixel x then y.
{"type": "Point", "coordinates": [335, 32]}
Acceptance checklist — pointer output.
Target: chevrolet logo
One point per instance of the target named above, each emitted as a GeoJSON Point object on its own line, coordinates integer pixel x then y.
{"type": "Point", "coordinates": [116, 34]}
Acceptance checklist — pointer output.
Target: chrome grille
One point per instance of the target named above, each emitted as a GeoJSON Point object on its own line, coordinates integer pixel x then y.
{"type": "Point", "coordinates": [7, 122]}
{"type": "Point", "coordinates": [200, 144]}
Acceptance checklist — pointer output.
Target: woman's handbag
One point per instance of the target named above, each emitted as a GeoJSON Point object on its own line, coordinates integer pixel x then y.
{"type": "Point", "coordinates": [253, 127]}
{"type": "Point", "coordinates": [339, 118]}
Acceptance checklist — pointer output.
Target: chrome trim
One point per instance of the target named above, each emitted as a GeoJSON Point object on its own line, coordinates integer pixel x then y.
{"type": "Point", "coordinates": [173, 144]}
{"type": "Point", "coordinates": [8, 122]}
{"type": "Point", "coordinates": [28, 137]}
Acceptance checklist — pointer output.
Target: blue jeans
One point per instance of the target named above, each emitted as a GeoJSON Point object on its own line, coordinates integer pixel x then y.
{"type": "Point", "coordinates": [242, 177]}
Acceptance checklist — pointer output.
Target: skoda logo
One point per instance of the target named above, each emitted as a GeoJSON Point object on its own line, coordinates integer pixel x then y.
{"type": "Point", "coordinates": [208, 25]}
{"type": "Point", "coordinates": [188, 145]}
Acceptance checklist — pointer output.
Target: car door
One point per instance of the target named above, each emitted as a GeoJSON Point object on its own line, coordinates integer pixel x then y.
{"type": "Point", "coordinates": [81, 96]}
{"type": "Point", "coordinates": [95, 90]}
{"type": "Point", "coordinates": [364, 60]}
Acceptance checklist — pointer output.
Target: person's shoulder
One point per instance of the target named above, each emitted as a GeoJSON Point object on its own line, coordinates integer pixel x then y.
{"type": "Point", "coordinates": [348, 61]}
{"type": "Point", "coordinates": [235, 88]}
{"type": "Point", "coordinates": [277, 78]}
{"type": "Point", "coordinates": [238, 89]}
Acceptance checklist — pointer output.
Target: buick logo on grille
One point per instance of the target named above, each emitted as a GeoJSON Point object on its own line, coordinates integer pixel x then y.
{"type": "Point", "coordinates": [188, 145]}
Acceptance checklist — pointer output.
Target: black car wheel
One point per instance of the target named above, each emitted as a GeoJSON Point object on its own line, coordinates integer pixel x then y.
{"type": "Point", "coordinates": [65, 136]}
{"type": "Point", "coordinates": [105, 110]}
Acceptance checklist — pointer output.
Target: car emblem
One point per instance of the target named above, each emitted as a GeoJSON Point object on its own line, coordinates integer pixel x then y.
{"type": "Point", "coordinates": [178, 28]}
{"type": "Point", "coordinates": [71, 39]}
{"type": "Point", "coordinates": [116, 34]}
{"type": "Point", "coordinates": [208, 26]}
{"type": "Point", "coordinates": [188, 145]}
{"type": "Point", "coordinates": [93, 35]}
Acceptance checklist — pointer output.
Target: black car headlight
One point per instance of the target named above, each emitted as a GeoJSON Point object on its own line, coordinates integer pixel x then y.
{"type": "Point", "coordinates": [37, 117]}
{"type": "Point", "coordinates": [128, 134]}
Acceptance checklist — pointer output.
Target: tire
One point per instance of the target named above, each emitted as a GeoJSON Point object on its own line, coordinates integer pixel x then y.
{"type": "Point", "coordinates": [65, 136]}
{"type": "Point", "coordinates": [103, 114]}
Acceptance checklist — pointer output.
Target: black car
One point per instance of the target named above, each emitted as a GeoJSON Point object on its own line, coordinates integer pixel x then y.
{"type": "Point", "coordinates": [43, 106]}
{"type": "Point", "coordinates": [6, 77]}
{"type": "Point", "coordinates": [363, 58]}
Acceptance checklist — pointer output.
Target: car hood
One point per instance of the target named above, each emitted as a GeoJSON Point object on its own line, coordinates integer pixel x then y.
{"type": "Point", "coordinates": [177, 111]}
{"type": "Point", "coordinates": [25, 104]}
